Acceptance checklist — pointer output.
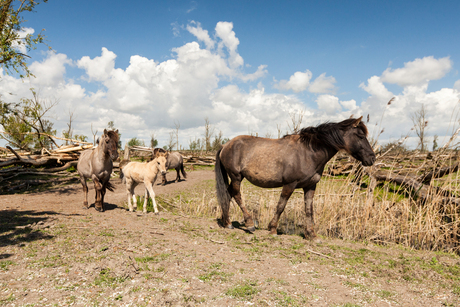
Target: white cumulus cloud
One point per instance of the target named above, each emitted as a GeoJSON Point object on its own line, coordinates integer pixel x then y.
{"type": "Point", "coordinates": [418, 71]}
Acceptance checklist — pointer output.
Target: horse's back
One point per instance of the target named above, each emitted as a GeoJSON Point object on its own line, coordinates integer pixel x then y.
{"type": "Point", "coordinates": [262, 161]}
{"type": "Point", "coordinates": [136, 171]}
{"type": "Point", "coordinates": [175, 160]}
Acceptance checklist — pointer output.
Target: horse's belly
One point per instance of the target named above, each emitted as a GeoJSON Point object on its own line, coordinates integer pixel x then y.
{"type": "Point", "coordinates": [264, 179]}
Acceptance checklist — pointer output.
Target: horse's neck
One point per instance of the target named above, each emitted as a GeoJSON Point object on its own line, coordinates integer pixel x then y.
{"type": "Point", "coordinates": [152, 166]}
{"type": "Point", "coordinates": [101, 156]}
{"type": "Point", "coordinates": [323, 156]}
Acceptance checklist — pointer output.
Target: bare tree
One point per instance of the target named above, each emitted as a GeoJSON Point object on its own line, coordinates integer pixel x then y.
{"type": "Point", "coordinates": [171, 142]}
{"type": "Point", "coordinates": [94, 133]}
{"type": "Point", "coordinates": [208, 133]}
{"type": "Point", "coordinates": [69, 132]}
{"type": "Point", "coordinates": [296, 121]}
{"type": "Point", "coordinates": [278, 127]}
{"type": "Point", "coordinates": [418, 117]}
{"type": "Point", "coordinates": [268, 135]}
{"type": "Point", "coordinates": [153, 140]}
{"type": "Point", "coordinates": [177, 124]}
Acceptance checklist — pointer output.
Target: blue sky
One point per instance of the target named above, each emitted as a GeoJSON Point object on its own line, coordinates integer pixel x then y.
{"type": "Point", "coordinates": [258, 62]}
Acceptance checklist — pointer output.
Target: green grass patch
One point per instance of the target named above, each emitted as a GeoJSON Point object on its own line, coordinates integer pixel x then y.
{"type": "Point", "coordinates": [246, 290]}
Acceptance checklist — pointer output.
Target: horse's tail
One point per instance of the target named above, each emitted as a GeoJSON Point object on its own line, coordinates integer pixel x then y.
{"type": "Point", "coordinates": [123, 163]}
{"type": "Point", "coordinates": [182, 169]}
{"type": "Point", "coordinates": [109, 186]}
{"type": "Point", "coordinates": [223, 196]}
{"type": "Point", "coordinates": [122, 176]}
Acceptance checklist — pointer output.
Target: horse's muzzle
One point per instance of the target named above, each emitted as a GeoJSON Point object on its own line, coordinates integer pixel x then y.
{"type": "Point", "coordinates": [163, 172]}
{"type": "Point", "coordinates": [368, 161]}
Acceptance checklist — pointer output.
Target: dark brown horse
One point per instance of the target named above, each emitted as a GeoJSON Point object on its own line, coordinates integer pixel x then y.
{"type": "Point", "coordinates": [292, 162]}
{"type": "Point", "coordinates": [97, 164]}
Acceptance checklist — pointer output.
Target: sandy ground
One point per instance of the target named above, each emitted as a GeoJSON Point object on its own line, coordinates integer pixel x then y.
{"type": "Point", "coordinates": [53, 252]}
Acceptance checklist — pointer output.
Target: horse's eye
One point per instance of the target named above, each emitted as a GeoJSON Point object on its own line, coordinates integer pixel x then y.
{"type": "Point", "coordinates": [158, 163]}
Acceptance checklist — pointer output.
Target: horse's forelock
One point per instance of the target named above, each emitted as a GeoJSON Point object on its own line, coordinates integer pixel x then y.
{"type": "Point", "coordinates": [113, 135]}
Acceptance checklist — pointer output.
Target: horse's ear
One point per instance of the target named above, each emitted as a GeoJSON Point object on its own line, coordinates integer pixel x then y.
{"type": "Point", "coordinates": [116, 131]}
{"type": "Point", "coordinates": [356, 122]}
{"type": "Point", "coordinates": [105, 131]}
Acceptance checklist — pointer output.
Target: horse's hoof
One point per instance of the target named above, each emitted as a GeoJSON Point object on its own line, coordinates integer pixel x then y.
{"type": "Point", "coordinates": [230, 226]}
{"type": "Point", "coordinates": [157, 213]}
{"type": "Point", "coordinates": [252, 229]}
{"type": "Point", "coordinates": [100, 209]}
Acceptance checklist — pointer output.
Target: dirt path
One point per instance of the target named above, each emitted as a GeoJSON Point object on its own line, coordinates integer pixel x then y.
{"type": "Point", "coordinates": [55, 253]}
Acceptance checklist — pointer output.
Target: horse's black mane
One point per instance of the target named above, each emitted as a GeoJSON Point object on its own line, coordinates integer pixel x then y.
{"type": "Point", "coordinates": [328, 134]}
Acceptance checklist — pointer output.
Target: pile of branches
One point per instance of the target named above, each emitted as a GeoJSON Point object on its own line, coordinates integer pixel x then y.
{"type": "Point", "coordinates": [415, 172]}
{"type": "Point", "coordinates": [190, 158]}
{"type": "Point", "coordinates": [19, 171]}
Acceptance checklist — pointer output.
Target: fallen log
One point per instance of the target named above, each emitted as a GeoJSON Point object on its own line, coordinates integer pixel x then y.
{"type": "Point", "coordinates": [420, 191]}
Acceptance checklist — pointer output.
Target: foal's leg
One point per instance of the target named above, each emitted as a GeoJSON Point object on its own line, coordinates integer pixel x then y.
{"type": "Point", "coordinates": [85, 190]}
{"type": "Point", "coordinates": [285, 194]}
{"type": "Point", "coordinates": [146, 198]}
{"type": "Point", "coordinates": [310, 222]}
{"type": "Point", "coordinates": [236, 193]}
{"type": "Point", "coordinates": [149, 186]}
{"type": "Point", "coordinates": [130, 192]}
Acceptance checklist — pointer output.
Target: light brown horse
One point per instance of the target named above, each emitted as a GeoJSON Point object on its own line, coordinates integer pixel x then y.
{"type": "Point", "coordinates": [134, 173]}
{"type": "Point", "coordinates": [292, 162]}
{"type": "Point", "coordinates": [97, 164]}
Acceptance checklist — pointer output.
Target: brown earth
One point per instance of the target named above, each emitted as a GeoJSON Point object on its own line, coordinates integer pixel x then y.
{"type": "Point", "coordinates": [53, 252]}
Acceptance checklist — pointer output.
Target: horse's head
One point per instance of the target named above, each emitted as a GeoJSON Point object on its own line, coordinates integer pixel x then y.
{"type": "Point", "coordinates": [161, 157]}
{"type": "Point", "coordinates": [356, 143]}
{"type": "Point", "coordinates": [109, 143]}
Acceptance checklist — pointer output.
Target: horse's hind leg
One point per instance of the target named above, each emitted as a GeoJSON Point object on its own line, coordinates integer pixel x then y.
{"type": "Point", "coordinates": [309, 223]}
{"type": "Point", "coordinates": [130, 192]}
{"type": "Point", "coordinates": [285, 194]}
{"type": "Point", "coordinates": [85, 190]}
{"type": "Point", "coordinates": [178, 174]}
{"type": "Point", "coordinates": [235, 192]}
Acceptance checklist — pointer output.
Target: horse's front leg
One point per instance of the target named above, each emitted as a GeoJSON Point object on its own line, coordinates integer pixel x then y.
{"type": "Point", "coordinates": [98, 188]}
{"type": "Point", "coordinates": [235, 192]}
{"type": "Point", "coordinates": [285, 194]}
{"type": "Point", "coordinates": [85, 191]}
{"type": "Point", "coordinates": [310, 222]}
{"type": "Point", "coordinates": [149, 187]}
{"type": "Point", "coordinates": [103, 191]}
{"type": "Point", "coordinates": [146, 198]}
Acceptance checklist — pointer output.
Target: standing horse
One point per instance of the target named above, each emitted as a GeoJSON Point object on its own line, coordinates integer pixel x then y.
{"type": "Point", "coordinates": [97, 164]}
{"type": "Point", "coordinates": [294, 161]}
{"type": "Point", "coordinates": [176, 161]}
{"type": "Point", "coordinates": [134, 173]}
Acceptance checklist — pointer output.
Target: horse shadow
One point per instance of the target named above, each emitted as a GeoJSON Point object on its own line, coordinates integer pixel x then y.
{"type": "Point", "coordinates": [107, 206]}
{"type": "Point", "coordinates": [236, 225]}
{"type": "Point", "coordinates": [170, 182]}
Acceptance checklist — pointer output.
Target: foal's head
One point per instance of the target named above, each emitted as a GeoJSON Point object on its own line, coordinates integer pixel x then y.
{"type": "Point", "coordinates": [109, 143]}
{"type": "Point", "coordinates": [356, 143]}
{"type": "Point", "coordinates": [160, 157]}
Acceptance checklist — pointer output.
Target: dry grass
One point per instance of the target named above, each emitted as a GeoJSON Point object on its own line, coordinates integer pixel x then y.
{"type": "Point", "coordinates": [347, 209]}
